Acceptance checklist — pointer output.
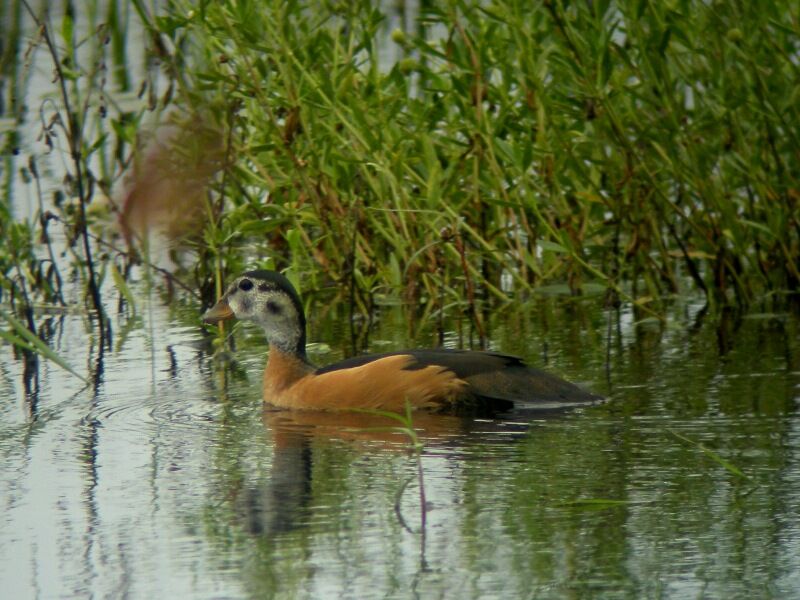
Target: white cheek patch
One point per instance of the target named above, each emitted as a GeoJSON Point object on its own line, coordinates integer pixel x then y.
{"type": "Point", "coordinates": [281, 324]}
{"type": "Point", "coordinates": [238, 305]}
{"type": "Point", "coordinates": [283, 315]}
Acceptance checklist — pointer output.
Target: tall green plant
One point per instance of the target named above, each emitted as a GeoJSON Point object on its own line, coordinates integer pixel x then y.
{"type": "Point", "coordinates": [647, 148]}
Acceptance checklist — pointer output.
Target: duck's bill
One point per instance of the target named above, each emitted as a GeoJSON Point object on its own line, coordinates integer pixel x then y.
{"type": "Point", "coordinates": [221, 311]}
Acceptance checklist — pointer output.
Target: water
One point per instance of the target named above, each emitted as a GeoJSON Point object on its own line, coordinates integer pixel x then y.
{"type": "Point", "coordinates": [168, 479]}
{"type": "Point", "coordinates": [165, 478]}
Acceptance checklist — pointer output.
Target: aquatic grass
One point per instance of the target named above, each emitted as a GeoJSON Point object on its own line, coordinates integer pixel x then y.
{"type": "Point", "coordinates": [21, 337]}
{"type": "Point", "coordinates": [497, 148]}
{"type": "Point", "coordinates": [70, 119]}
{"type": "Point", "coordinates": [123, 287]}
{"type": "Point", "coordinates": [82, 124]}
{"type": "Point", "coordinates": [724, 463]}
{"type": "Point", "coordinates": [487, 151]}
{"type": "Point", "coordinates": [405, 428]}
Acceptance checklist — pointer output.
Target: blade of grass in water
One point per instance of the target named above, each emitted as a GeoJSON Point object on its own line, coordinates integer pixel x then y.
{"type": "Point", "coordinates": [123, 287]}
{"type": "Point", "coordinates": [727, 465]}
{"type": "Point", "coordinates": [406, 420]}
{"type": "Point", "coordinates": [596, 503]}
{"type": "Point", "coordinates": [25, 339]}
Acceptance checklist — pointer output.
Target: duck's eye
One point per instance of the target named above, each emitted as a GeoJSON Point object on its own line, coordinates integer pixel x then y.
{"type": "Point", "coordinates": [245, 285]}
{"type": "Point", "coordinates": [273, 307]}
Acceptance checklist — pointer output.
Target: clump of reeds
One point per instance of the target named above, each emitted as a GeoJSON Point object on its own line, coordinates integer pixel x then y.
{"type": "Point", "coordinates": [451, 156]}
{"type": "Point", "coordinates": [482, 147]}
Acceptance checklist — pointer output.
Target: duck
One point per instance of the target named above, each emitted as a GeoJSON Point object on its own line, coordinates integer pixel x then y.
{"type": "Point", "coordinates": [439, 380]}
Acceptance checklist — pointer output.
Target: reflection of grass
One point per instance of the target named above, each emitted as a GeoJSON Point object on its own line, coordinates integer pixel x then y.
{"type": "Point", "coordinates": [596, 503]}
{"type": "Point", "coordinates": [609, 503]}
{"type": "Point", "coordinates": [406, 428]}
{"type": "Point", "coordinates": [727, 465]}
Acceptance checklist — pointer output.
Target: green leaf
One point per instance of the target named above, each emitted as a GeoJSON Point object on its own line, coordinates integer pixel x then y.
{"type": "Point", "coordinates": [549, 246]}
{"type": "Point", "coordinates": [760, 226]}
{"type": "Point", "coordinates": [33, 343]}
{"type": "Point", "coordinates": [16, 341]}
{"type": "Point", "coordinates": [67, 30]}
{"type": "Point", "coordinates": [123, 287]}
{"type": "Point", "coordinates": [727, 465]}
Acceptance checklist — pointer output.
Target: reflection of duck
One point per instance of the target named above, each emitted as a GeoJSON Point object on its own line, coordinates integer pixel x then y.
{"type": "Point", "coordinates": [276, 501]}
{"type": "Point", "coordinates": [442, 380]}
{"type": "Point", "coordinates": [376, 430]}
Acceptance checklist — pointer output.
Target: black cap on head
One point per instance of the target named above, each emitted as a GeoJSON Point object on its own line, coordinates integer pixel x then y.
{"type": "Point", "coordinates": [266, 280]}
{"type": "Point", "coordinates": [276, 279]}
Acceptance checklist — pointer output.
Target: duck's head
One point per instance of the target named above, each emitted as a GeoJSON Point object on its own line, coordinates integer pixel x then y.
{"type": "Point", "coordinates": [269, 300]}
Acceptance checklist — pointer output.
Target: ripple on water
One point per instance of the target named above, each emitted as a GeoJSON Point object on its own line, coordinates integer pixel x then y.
{"type": "Point", "coordinates": [167, 408]}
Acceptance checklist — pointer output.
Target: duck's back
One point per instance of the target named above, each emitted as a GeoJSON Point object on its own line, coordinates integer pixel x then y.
{"type": "Point", "coordinates": [493, 382]}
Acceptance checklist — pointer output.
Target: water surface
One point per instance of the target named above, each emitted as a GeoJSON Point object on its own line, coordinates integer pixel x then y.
{"type": "Point", "coordinates": [167, 479]}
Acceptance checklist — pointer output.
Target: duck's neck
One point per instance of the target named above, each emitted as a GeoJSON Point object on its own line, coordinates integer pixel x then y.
{"type": "Point", "coordinates": [284, 369]}
{"type": "Point", "coordinates": [288, 336]}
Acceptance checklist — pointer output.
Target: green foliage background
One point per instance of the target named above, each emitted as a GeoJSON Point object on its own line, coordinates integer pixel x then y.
{"type": "Point", "coordinates": [645, 148]}
{"type": "Point", "coordinates": [445, 153]}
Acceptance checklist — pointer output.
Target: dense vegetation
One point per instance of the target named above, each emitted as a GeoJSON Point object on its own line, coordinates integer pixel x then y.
{"type": "Point", "coordinates": [469, 152]}
{"type": "Point", "coordinates": [648, 148]}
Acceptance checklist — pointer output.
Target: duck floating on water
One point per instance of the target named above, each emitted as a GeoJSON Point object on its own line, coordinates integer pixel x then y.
{"type": "Point", "coordinates": [452, 381]}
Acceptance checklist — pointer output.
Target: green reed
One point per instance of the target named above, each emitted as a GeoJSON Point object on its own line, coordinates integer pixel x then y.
{"type": "Point", "coordinates": [647, 149]}
{"type": "Point", "coordinates": [454, 156]}
{"type": "Point", "coordinates": [405, 427]}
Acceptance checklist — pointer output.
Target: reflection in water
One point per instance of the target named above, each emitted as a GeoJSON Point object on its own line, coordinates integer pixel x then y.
{"type": "Point", "coordinates": [167, 479]}
{"type": "Point", "coordinates": [285, 506]}
{"type": "Point", "coordinates": [274, 503]}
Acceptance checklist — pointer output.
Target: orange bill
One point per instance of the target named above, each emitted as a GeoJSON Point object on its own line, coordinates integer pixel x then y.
{"type": "Point", "coordinates": [221, 311]}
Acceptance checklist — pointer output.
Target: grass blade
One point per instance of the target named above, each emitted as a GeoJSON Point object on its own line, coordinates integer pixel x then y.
{"type": "Point", "coordinates": [725, 464]}
{"type": "Point", "coordinates": [33, 343]}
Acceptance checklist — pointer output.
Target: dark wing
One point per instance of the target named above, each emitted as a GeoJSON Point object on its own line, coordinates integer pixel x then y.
{"type": "Point", "coordinates": [462, 362]}
{"type": "Point", "coordinates": [494, 379]}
